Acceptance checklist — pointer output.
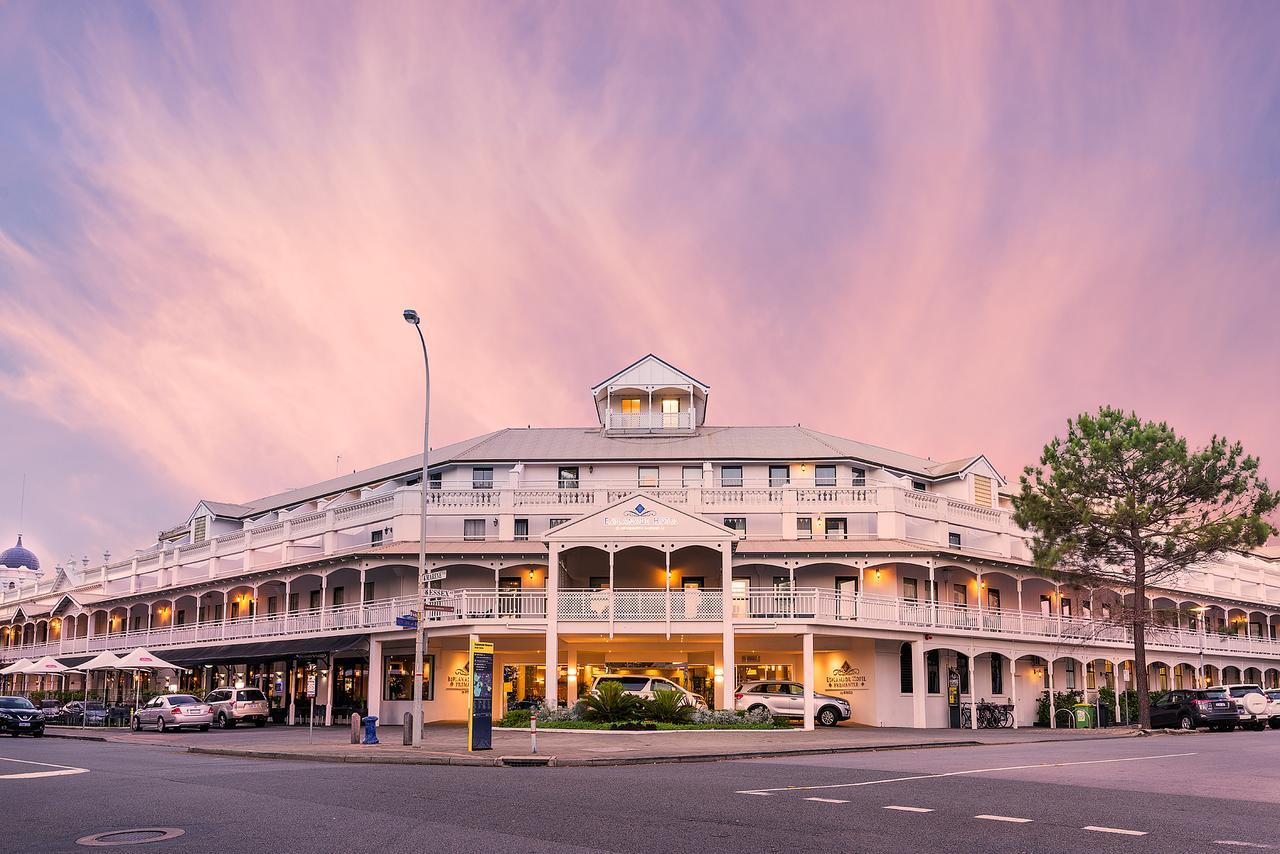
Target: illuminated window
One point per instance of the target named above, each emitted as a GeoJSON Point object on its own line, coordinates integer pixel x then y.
{"type": "Point", "coordinates": [670, 405]}
{"type": "Point", "coordinates": [631, 406]}
{"type": "Point", "coordinates": [648, 476]}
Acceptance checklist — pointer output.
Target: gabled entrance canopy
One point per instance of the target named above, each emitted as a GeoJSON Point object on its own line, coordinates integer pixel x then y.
{"type": "Point", "coordinates": [639, 518]}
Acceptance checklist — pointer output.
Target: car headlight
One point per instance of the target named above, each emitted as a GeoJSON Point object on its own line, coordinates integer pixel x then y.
{"type": "Point", "coordinates": [4, 714]}
{"type": "Point", "coordinates": [39, 716]}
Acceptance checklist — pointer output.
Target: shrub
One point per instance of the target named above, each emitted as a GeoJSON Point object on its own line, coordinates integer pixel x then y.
{"type": "Point", "coordinates": [716, 717]}
{"type": "Point", "coordinates": [1061, 700]}
{"type": "Point", "coordinates": [611, 704]}
{"type": "Point", "coordinates": [515, 718]}
{"type": "Point", "coordinates": [667, 707]}
{"type": "Point", "coordinates": [555, 714]}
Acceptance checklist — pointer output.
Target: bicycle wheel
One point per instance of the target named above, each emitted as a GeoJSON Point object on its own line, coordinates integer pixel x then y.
{"type": "Point", "coordinates": [1006, 718]}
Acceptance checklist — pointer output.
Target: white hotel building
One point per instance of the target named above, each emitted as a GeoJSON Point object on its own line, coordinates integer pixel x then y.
{"type": "Point", "coordinates": [646, 542]}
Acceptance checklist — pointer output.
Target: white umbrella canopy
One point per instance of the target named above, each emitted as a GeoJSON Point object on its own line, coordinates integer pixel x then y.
{"type": "Point", "coordinates": [16, 667]}
{"type": "Point", "coordinates": [102, 661]}
{"type": "Point", "coordinates": [140, 659]}
{"type": "Point", "coordinates": [48, 665]}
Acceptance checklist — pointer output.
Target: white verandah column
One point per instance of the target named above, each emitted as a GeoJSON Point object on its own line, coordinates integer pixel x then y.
{"type": "Point", "coordinates": [553, 634]}
{"type": "Point", "coordinates": [725, 698]}
{"type": "Point", "coordinates": [807, 652]}
{"type": "Point", "coordinates": [918, 687]}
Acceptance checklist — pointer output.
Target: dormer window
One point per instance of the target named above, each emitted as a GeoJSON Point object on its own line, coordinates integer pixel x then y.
{"type": "Point", "coordinates": [200, 529]}
{"type": "Point", "coordinates": [630, 406]}
{"type": "Point", "coordinates": [670, 412]}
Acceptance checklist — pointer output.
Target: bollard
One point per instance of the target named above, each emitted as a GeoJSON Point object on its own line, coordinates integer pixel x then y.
{"type": "Point", "coordinates": [371, 729]}
{"type": "Point", "coordinates": [408, 729]}
{"type": "Point", "coordinates": [355, 728]}
{"type": "Point", "coordinates": [533, 733]}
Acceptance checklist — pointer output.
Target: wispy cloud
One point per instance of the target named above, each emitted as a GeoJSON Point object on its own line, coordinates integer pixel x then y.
{"type": "Point", "coordinates": [940, 228]}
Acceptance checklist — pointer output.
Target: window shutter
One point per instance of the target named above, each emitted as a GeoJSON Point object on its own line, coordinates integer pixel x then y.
{"type": "Point", "coordinates": [982, 490]}
{"type": "Point", "coordinates": [200, 529]}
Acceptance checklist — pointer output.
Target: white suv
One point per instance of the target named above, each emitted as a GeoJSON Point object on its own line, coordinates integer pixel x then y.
{"type": "Point", "coordinates": [645, 687]}
{"type": "Point", "coordinates": [1252, 704]}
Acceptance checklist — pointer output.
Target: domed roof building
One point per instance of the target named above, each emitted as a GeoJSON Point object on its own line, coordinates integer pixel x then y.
{"type": "Point", "coordinates": [18, 564]}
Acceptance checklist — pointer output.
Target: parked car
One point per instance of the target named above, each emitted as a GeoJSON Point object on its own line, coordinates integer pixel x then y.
{"type": "Point", "coordinates": [230, 706]}
{"type": "Point", "coordinates": [74, 713]}
{"type": "Point", "coordinates": [1212, 708]}
{"type": "Point", "coordinates": [645, 687]}
{"type": "Point", "coordinates": [786, 700]}
{"type": "Point", "coordinates": [1251, 703]}
{"type": "Point", "coordinates": [19, 717]}
{"type": "Point", "coordinates": [1273, 708]}
{"type": "Point", "coordinates": [173, 711]}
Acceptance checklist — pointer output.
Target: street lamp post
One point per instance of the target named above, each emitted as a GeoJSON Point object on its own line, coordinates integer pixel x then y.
{"type": "Point", "coordinates": [419, 651]}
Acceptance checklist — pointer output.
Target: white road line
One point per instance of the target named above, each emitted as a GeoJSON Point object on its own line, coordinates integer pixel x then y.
{"type": "Point", "coordinates": [959, 773]}
{"type": "Point", "coordinates": [1239, 844]}
{"type": "Point", "coordinates": [826, 800]}
{"type": "Point", "coordinates": [908, 809]}
{"type": "Point", "coordinates": [761, 794]}
{"type": "Point", "coordinates": [1007, 818]}
{"type": "Point", "coordinates": [62, 770]}
{"type": "Point", "coordinates": [1119, 830]}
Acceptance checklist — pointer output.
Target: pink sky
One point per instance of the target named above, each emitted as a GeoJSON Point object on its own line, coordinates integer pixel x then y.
{"type": "Point", "coordinates": [943, 228]}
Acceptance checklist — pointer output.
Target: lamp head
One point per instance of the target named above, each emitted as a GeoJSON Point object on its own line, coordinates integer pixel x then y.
{"type": "Point", "coordinates": [411, 316]}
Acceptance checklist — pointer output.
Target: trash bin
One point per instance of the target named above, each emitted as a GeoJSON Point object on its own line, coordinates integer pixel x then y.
{"type": "Point", "coordinates": [1106, 716]}
{"type": "Point", "coordinates": [370, 729]}
{"type": "Point", "coordinates": [1084, 714]}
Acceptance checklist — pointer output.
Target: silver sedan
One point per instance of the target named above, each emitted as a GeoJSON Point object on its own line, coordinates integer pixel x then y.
{"type": "Point", "coordinates": [173, 711]}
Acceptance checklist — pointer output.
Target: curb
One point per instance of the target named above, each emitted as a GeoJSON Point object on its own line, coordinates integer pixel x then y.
{"type": "Point", "coordinates": [354, 759]}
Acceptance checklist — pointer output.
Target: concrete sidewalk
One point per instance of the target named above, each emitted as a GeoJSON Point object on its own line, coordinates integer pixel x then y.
{"type": "Point", "coordinates": [446, 744]}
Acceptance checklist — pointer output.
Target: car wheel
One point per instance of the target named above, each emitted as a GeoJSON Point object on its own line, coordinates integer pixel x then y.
{"type": "Point", "coordinates": [223, 723]}
{"type": "Point", "coordinates": [161, 726]}
{"type": "Point", "coordinates": [260, 723]}
{"type": "Point", "coordinates": [757, 708]}
{"type": "Point", "coordinates": [135, 724]}
{"type": "Point", "coordinates": [1185, 723]}
{"type": "Point", "coordinates": [1275, 723]}
{"type": "Point", "coordinates": [38, 734]}
{"type": "Point", "coordinates": [827, 716]}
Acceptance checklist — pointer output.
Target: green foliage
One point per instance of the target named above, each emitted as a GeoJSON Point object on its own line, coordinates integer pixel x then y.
{"type": "Point", "coordinates": [667, 707]}
{"type": "Point", "coordinates": [515, 718]}
{"type": "Point", "coordinates": [1061, 700]}
{"type": "Point", "coordinates": [1122, 502]}
{"type": "Point", "coordinates": [611, 704]}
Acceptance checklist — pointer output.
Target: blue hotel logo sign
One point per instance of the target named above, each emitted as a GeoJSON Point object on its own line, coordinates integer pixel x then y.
{"type": "Point", "coordinates": [640, 518]}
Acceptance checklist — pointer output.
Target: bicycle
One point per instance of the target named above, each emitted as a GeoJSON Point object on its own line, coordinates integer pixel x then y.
{"type": "Point", "coordinates": [990, 716]}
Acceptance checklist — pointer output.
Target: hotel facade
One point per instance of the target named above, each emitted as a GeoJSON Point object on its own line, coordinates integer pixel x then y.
{"type": "Point", "coordinates": [647, 542]}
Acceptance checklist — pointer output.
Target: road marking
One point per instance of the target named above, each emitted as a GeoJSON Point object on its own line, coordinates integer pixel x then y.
{"type": "Point", "coordinates": [960, 773]}
{"type": "Point", "coordinates": [908, 809]}
{"type": "Point", "coordinates": [1238, 843]}
{"type": "Point", "coordinates": [761, 794]}
{"type": "Point", "coordinates": [1007, 818]}
{"type": "Point", "coordinates": [826, 800]}
{"type": "Point", "coordinates": [1119, 830]}
{"type": "Point", "coordinates": [63, 770]}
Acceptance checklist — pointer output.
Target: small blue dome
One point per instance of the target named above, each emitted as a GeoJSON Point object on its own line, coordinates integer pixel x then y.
{"type": "Point", "coordinates": [20, 558]}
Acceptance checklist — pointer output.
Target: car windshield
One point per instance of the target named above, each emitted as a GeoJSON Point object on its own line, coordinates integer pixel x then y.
{"type": "Point", "coordinates": [252, 695]}
{"type": "Point", "coordinates": [1244, 690]}
{"type": "Point", "coordinates": [182, 700]}
{"type": "Point", "coordinates": [15, 703]}
{"type": "Point", "coordinates": [1273, 695]}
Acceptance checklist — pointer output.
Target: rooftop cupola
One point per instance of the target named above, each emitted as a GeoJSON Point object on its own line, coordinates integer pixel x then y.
{"type": "Point", "coordinates": [650, 397]}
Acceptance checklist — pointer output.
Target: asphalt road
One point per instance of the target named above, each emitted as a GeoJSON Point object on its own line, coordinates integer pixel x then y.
{"type": "Point", "coordinates": [1197, 793]}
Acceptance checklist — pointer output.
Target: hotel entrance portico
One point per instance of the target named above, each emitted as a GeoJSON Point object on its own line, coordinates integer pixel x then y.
{"type": "Point", "coordinates": [641, 565]}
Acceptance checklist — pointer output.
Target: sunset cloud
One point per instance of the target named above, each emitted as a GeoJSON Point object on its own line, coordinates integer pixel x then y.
{"type": "Point", "coordinates": [943, 228]}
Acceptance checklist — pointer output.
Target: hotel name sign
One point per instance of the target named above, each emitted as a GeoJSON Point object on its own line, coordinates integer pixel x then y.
{"type": "Point", "coordinates": [640, 518]}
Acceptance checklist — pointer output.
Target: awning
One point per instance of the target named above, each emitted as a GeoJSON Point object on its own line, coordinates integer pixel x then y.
{"type": "Point", "coordinates": [267, 650]}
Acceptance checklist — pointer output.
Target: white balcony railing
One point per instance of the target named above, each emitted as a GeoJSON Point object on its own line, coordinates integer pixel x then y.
{"type": "Point", "coordinates": [650, 421]}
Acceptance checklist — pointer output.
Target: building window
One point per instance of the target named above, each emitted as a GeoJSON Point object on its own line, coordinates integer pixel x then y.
{"type": "Point", "coordinates": [993, 599]}
{"type": "Point", "coordinates": [315, 601]}
{"type": "Point", "coordinates": [375, 537]}
{"type": "Point", "coordinates": [473, 529]}
{"type": "Point", "coordinates": [630, 406]}
{"type": "Point", "coordinates": [737, 523]}
{"type": "Point", "coordinates": [962, 665]}
{"type": "Point", "coordinates": [482, 478]}
{"type": "Point", "coordinates": [671, 412]}
{"type": "Point", "coordinates": [836, 528]}
{"type": "Point", "coordinates": [953, 539]}
{"type": "Point", "coordinates": [782, 582]}
{"type": "Point", "coordinates": [933, 678]}
{"type": "Point", "coordinates": [1071, 674]}
{"type": "Point", "coordinates": [824, 475]}
{"type": "Point", "coordinates": [293, 604]}
{"type": "Point", "coordinates": [648, 477]}
{"type": "Point", "coordinates": [859, 477]}
{"type": "Point", "coordinates": [1046, 605]}
{"type": "Point", "coordinates": [960, 595]}
{"type": "Point", "coordinates": [918, 485]}
{"type": "Point", "coordinates": [180, 618]}
{"type": "Point", "coordinates": [731, 475]}
{"type": "Point", "coordinates": [906, 670]}
{"type": "Point", "coordinates": [779, 475]}
{"type": "Point", "coordinates": [982, 490]}
{"type": "Point", "coordinates": [557, 522]}
{"type": "Point", "coordinates": [997, 673]}
{"type": "Point", "coordinates": [691, 476]}
{"type": "Point", "coordinates": [804, 527]}
{"type": "Point", "coordinates": [272, 601]}
{"type": "Point", "coordinates": [522, 529]}
{"type": "Point", "coordinates": [910, 589]}
{"type": "Point", "coordinates": [200, 529]}
{"type": "Point", "coordinates": [1065, 609]}
{"type": "Point", "coordinates": [397, 682]}
{"type": "Point", "coordinates": [568, 477]}
{"type": "Point", "coordinates": [435, 480]}
{"type": "Point", "coordinates": [367, 591]}
{"type": "Point", "coordinates": [340, 597]}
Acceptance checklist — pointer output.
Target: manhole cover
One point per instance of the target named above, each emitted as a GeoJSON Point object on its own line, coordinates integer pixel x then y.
{"type": "Point", "coordinates": [132, 836]}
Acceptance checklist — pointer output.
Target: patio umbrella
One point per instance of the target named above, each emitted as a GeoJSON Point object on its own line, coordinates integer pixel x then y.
{"type": "Point", "coordinates": [48, 666]}
{"type": "Point", "coordinates": [15, 668]}
{"type": "Point", "coordinates": [141, 659]}
{"type": "Point", "coordinates": [101, 661]}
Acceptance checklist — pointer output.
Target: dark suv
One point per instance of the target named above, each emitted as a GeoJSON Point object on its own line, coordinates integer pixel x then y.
{"type": "Point", "coordinates": [19, 717]}
{"type": "Point", "coordinates": [1190, 709]}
